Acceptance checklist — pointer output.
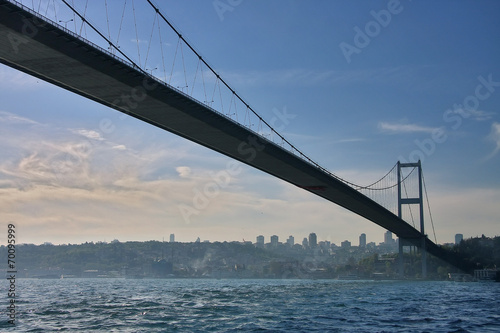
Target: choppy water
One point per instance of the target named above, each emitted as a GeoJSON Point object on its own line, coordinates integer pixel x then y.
{"type": "Point", "coordinates": [117, 305]}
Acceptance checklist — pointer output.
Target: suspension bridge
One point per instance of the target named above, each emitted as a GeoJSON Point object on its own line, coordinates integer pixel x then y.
{"type": "Point", "coordinates": [178, 91]}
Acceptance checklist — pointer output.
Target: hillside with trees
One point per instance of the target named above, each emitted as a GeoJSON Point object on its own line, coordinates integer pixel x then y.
{"type": "Point", "coordinates": [154, 259]}
{"type": "Point", "coordinates": [483, 252]}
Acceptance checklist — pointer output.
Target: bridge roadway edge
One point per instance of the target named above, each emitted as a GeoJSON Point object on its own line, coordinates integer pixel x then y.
{"type": "Point", "coordinates": [58, 57]}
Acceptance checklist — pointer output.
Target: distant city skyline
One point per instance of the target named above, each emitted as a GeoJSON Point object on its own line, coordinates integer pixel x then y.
{"type": "Point", "coordinates": [260, 240]}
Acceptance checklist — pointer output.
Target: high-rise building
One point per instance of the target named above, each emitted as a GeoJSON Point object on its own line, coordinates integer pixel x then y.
{"type": "Point", "coordinates": [305, 242]}
{"type": "Point", "coordinates": [325, 245]}
{"type": "Point", "coordinates": [172, 238]}
{"type": "Point", "coordinates": [291, 241]}
{"type": "Point", "coordinates": [362, 240]}
{"type": "Point", "coordinates": [260, 241]}
{"type": "Point", "coordinates": [388, 238]}
{"type": "Point", "coordinates": [345, 244]}
{"type": "Point", "coordinates": [459, 238]}
{"type": "Point", "coordinates": [313, 240]}
{"type": "Point", "coordinates": [274, 240]}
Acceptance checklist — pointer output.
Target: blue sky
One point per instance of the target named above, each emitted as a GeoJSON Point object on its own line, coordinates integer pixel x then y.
{"type": "Point", "coordinates": [421, 80]}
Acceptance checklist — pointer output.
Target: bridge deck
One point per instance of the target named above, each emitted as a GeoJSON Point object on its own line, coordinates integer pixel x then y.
{"type": "Point", "coordinates": [52, 54]}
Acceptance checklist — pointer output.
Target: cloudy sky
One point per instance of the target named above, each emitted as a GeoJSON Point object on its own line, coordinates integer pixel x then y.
{"type": "Point", "coordinates": [363, 84]}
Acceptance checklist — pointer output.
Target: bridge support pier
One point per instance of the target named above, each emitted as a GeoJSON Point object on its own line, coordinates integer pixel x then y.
{"type": "Point", "coordinates": [424, 258]}
{"type": "Point", "coordinates": [409, 201]}
{"type": "Point", "coordinates": [401, 262]}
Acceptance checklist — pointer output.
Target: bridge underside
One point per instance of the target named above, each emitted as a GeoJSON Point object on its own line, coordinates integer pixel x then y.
{"type": "Point", "coordinates": [48, 52]}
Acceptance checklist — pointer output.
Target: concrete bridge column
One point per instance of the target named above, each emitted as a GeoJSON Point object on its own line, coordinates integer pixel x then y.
{"type": "Point", "coordinates": [401, 262]}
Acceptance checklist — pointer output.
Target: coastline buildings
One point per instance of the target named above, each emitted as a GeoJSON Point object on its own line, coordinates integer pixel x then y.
{"type": "Point", "coordinates": [305, 242]}
{"type": "Point", "coordinates": [362, 240]}
{"type": "Point", "coordinates": [260, 241]}
{"type": "Point", "coordinates": [388, 238]}
{"type": "Point", "coordinates": [236, 259]}
{"type": "Point", "coordinates": [313, 240]}
{"type": "Point", "coordinates": [274, 241]}
{"type": "Point", "coordinates": [345, 244]}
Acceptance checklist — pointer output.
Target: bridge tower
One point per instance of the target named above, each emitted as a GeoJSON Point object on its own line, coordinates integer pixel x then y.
{"type": "Point", "coordinates": [412, 201]}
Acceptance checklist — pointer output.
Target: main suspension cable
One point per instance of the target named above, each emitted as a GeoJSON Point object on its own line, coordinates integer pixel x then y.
{"type": "Point", "coordinates": [102, 36]}
{"type": "Point", "coordinates": [292, 147]}
{"type": "Point", "coordinates": [235, 95]}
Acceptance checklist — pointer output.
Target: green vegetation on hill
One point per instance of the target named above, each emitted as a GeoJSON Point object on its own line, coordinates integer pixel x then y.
{"type": "Point", "coordinates": [239, 260]}
{"type": "Point", "coordinates": [482, 252]}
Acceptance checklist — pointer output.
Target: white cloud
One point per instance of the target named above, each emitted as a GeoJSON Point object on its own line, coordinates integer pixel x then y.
{"type": "Point", "coordinates": [349, 140]}
{"type": "Point", "coordinates": [184, 171]}
{"type": "Point", "coordinates": [404, 128]}
{"type": "Point", "coordinates": [10, 118]}
{"type": "Point", "coordinates": [477, 115]}
{"type": "Point", "coordinates": [91, 134]}
{"type": "Point", "coordinates": [63, 188]}
{"type": "Point", "coordinates": [51, 164]}
{"type": "Point", "coordinates": [117, 200]}
{"type": "Point", "coordinates": [495, 138]}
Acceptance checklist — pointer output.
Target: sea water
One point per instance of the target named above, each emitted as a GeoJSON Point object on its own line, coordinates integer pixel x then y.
{"type": "Point", "coordinates": [197, 305]}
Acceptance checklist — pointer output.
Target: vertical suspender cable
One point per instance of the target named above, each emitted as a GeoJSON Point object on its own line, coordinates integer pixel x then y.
{"type": "Point", "coordinates": [74, 15]}
{"type": "Point", "coordinates": [121, 23]}
{"type": "Point", "coordinates": [203, 80]}
{"type": "Point", "coordinates": [213, 93]}
{"type": "Point", "coordinates": [409, 207]}
{"type": "Point", "coordinates": [136, 33]}
{"type": "Point", "coordinates": [47, 9]}
{"type": "Point", "coordinates": [372, 190]}
{"type": "Point", "coordinates": [194, 79]}
{"type": "Point", "coordinates": [83, 18]}
{"type": "Point", "coordinates": [102, 36]}
{"type": "Point", "coordinates": [149, 44]}
{"type": "Point", "coordinates": [55, 11]}
{"type": "Point", "coordinates": [107, 19]}
{"type": "Point", "coordinates": [161, 48]}
{"type": "Point", "coordinates": [429, 208]}
{"type": "Point", "coordinates": [184, 67]}
{"type": "Point", "coordinates": [220, 95]}
{"type": "Point", "coordinates": [173, 62]}
{"type": "Point", "coordinates": [292, 147]}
